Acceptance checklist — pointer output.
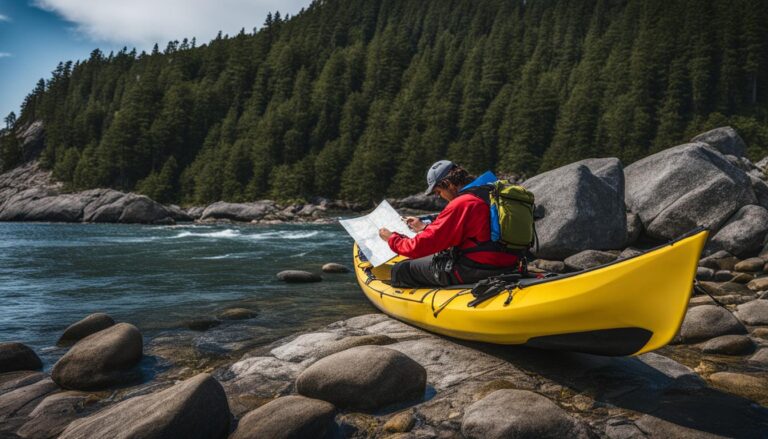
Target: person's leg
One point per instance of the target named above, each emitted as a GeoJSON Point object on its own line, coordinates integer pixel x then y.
{"type": "Point", "coordinates": [418, 273]}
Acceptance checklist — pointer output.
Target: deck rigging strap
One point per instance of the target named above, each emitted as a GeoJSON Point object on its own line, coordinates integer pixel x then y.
{"type": "Point", "coordinates": [440, 308]}
{"type": "Point", "coordinates": [701, 289]}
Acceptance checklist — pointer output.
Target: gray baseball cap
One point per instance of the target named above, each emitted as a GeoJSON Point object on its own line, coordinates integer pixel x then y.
{"type": "Point", "coordinates": [438, 171]}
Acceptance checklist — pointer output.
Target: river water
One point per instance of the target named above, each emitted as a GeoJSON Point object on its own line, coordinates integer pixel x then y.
{"type": "Point", "coordinates": [161, 277]}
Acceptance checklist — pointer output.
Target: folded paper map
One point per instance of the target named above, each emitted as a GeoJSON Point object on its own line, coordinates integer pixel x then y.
{"type": "Point", "coordinates": [365, 232]}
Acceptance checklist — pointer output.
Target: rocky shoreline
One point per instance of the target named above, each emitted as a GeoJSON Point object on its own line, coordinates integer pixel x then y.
{"type": "Point", "coordinates": [372, 376]}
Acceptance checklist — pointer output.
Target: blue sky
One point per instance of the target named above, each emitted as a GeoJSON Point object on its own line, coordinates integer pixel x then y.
{"type": "Point", "coordinates": [35, 35]}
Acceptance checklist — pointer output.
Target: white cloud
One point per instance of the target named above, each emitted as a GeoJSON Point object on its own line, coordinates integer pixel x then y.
{"type": "Point", "coordinates": [5, 55]}
{"type": "Point", "coordinates": [144, 22]}
{"type": "Point", "coordinates": [4, 18]}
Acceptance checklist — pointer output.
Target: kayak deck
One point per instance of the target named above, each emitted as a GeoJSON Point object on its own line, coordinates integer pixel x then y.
{"type": "Point", "coordinates": [627, 307]}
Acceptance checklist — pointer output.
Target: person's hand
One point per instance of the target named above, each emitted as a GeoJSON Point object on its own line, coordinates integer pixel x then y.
{"type": "Point", "coordinates": [385, 233]}
{"type": "Point", "coordinates": [415, 224]}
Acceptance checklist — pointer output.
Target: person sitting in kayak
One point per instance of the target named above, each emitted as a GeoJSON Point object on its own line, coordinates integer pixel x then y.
{"type": "Point", "coordinates": [455, 248]}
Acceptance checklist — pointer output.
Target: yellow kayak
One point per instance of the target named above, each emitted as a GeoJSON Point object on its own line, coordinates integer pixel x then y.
{"type": "Point", "coordinates": [626, 307]}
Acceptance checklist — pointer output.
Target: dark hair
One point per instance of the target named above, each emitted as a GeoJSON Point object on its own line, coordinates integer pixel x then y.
{"type": "Point", "coordinates": [458, 176]}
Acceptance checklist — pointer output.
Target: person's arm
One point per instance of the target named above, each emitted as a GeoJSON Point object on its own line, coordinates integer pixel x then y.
{"type": "Point", "coordinates": [444, 232]}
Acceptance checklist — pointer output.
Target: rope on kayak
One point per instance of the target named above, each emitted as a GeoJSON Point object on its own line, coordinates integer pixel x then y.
{"type": "Point", "coordinates": [440, 308]}
{"type": "Point", "coordinates": [701, 289]}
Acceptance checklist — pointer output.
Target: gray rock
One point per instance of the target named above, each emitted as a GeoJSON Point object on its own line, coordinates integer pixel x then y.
{"type": "Point", "coordinates": [723, 276]}
{"type": "Point", "coordinates": [258, 377]}
{"type": "Point", "coordinates": [54, 413]}
{"type": "Point", "coordinates": [550, 266]}
{"type": "Point", "coordinates": [760, 188]}
{"type": "Point", "coordinates": [588, 259]}
{"type": "Point", "coordinates": [85, 327]}
{"type": "Point", "coordinates": [141, 209]}
{"type": "Point", "coordinates": [364, 378]}
{"type": "Point", "coordinates": [298, 276]}
{"type": "Point", "coordinates": [653, 427]}
{"type": "Point", "coordinates": [763, 164]}
{"type": "Point", "coordinates": [420, 202]}
{"type": "Point", "coordinates": [704, 273]}
{"type": "Point", "coordinates": [510, 413]}
{"type": "Point", "coordinates": [724, 139]}
{"type": "Point", "coordinates": [245, 212]}
{"type": "Point", "coordinates": [744, 232]}
{"type": "Point", "coordinates": [289, 417]}
{"type": "Point", "coordinates": [630, 252]}
{"type": "Point", "coordinates": [750, 265]}
{"type": "Point", "coordinates": [178, 214]}
{"type": "Point", "coordinates": [237, 314]}
{"type": "Point", "coordinates": [100, 360]}
{"type": "Point", "coordinates": [634, 227]}
{"type": "Point", "coordinates": [729, 345]}
{"type": "Point", "coordinates": [754, 312]}
{"type": "Point", "coordinates": [582, 206]}
{"type": "Point", "coordinates": [21, 401]}
{"type": "Point", "coordinates": [195, 212]}
{"type": "Point", "coordinates": [750, 387]}
{"type": "Point", "coordinates": [333, 267]}
{"type": "Point", "coordinates": [195, 408]}
{"type": "Point", "coordinates": [17, 356]}
{"type": "Point", "coordinates": [742, 278]}
{"type": "Point", "coordinates": [681, 188]}
{"type": "Point", "coordinates": [760, 357]}
{"type": "Point", "coordinates": [709, 321]}
{"type": "Point", "coordinates": [720, 260]}
{"type": "Point", "coordinates": [32, 140]}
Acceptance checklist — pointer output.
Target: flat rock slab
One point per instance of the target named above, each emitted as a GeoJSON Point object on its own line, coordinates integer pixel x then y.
{"type": "Point", "coordinates": [23, 400]}
{"type": "Point", "coordinates": [103, 359]}
{"type": "Point", "coordinates": [364, 378]}
{"type": "Point", "coordinates": [709, 321]}
{"type": "Point", "coordinates": [195, 409]}
{"type": "Point", "coordinates": [287, 417]}
{"type": "Point", "coordinates": [85, 327]}
{"type": "Point", "coordinates": [17, 356]}
{"type": "Point", "coordinates": [54, 413]}
{"type": "Point", "coordinates": [298, 276]}
{"type": "Point", "coordinates": [754, 312]}
{"type": "Point", "coordinates": [510, 413]}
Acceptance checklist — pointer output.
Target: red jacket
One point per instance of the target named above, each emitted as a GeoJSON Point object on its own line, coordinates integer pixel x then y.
{"type": "Point", "coordinates": [465, 218]}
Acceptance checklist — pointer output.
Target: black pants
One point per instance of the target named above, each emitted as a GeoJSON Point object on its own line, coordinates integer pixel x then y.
{"type": "Point", "coordinates": [422, 273]}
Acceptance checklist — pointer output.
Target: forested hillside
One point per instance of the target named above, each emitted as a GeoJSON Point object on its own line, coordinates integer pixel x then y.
{"type": "Point", "coordinates": [355, 98]}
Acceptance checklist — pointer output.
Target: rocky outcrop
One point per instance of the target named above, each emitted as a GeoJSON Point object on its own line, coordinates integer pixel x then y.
{"type": "Point", "coordinates": [195, 408]}
{"type": "Point", "coordinates": [428, 203]}
{"type": "Point", "coordinates": [684, 187]}
{"type": "Point", "coordinates": [287, 418]}
{"type": "Point", "coordinates": [364, 378]}
{"type": "Point", "coordinates": [54, 413]}
{"type": "Point", "coordinates": [21, 401]}
{"type": "Point", "coordinates": [724, 139]}
{"type": "Point", "coordinates": [581, 207]}
{"type": "Point", "coordinates": [103, 359]}
{"type": "Point", "coordinates": [17, 356]}
{"type": "Point", "coordinates": [85, 327]}
{"type": "Point", "coordinates": [245, 212]}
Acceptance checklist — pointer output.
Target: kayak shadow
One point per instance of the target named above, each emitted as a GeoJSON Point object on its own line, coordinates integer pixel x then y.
{"type": "Point", "coordinates": [649, 384]}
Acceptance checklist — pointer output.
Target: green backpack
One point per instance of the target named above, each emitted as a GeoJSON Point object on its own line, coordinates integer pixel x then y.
{"type": "Point", "coordinates": [512, 222]}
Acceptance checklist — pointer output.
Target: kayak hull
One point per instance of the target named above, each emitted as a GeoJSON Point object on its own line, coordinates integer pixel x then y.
{"type": "Point", "coordinates": [627, 307]}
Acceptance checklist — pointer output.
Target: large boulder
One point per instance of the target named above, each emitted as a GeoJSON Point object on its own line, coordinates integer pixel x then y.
{"type": "Point", "coordinates": [709, 321]}
{"type": "Point", "coordinates": [289, 417]}
{"type": "Point", "coordinates": [724, 139]}
{"type": "Point", "coordinates": [420, 202]}
{"type": "Point", "coordinates": [245, 212]}
{"type": "Point", "coordinates": [589, 259]}
{"type": "Point", "coordinates": [581, 207]}
{"type": "Point", "coordinates": [510, 413]}
{"type": "Point", "coordinates": [85, 327]}
{"type": "Point", "coordinates": [195, 408]}
{"type": "Point", "coordinates": [17, 356]}
{"type": "Point", "coordinates": [54, 413]}
{"type": "Point", "coordinates": [103, 359]}
{"type": "Point", "coordinates": [744, 233]}
{"type": "Point", "coordinates": [364, 378]}
{"type": "Point", "coordinates": [685, 187]}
